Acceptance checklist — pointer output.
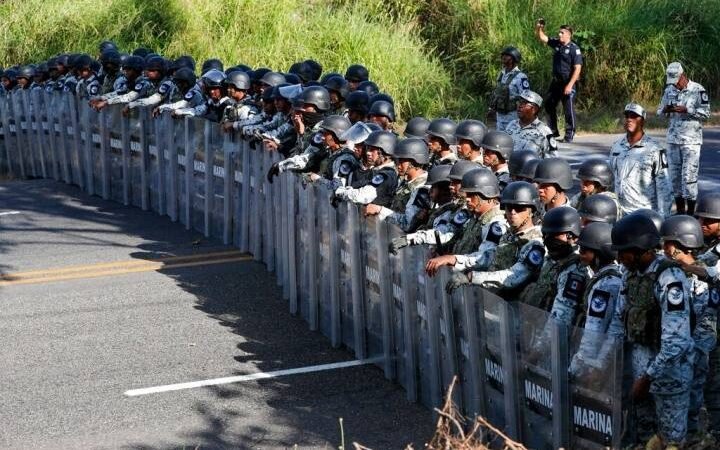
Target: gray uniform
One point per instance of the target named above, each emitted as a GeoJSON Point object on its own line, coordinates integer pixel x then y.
{"type": "Point", "coordinates": [444, 227]}
{"type": "Point", "coordinates": [417, 202]}
{"type": "Point", "coordinates": [483, 257]}
{"type": "Point", "coordinates": [684, 136]}
{"type": "Point", "coordinates": [88, 88]}
{"type": "Point", "coordinates": [536, 137]}
{"type": "Point", "coordinates": [369, 192]}
{"type": "Point", "coordinates": [191, 100]}
{"type": "Point", "coordinates": [515, 81]}
{"type": "Point", "coordinates": [711, 259]}
{"type": "Point", "coordinates": [641, 176]}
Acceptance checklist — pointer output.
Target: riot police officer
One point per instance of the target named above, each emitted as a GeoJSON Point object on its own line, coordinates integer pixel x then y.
{"type": "Point", "coordinates": [416, 127]}
{"type": "Point", "coordinates": [440, 137]}
{"type": "Point", "coordinates": [510, 83]}
{"type": "Point", "coordinates": [598, 208]}
{"type": "Point", "coordinates": [596, 177]}
{"type": "Point", "coordinates": [469, 135]}
{"type": "Point", "coordinates": [497, 147]}
{"type": "Point", "coordinates": [554, 178]}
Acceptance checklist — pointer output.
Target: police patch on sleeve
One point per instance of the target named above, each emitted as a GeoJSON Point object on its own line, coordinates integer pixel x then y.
{"type": "Point", "coordinates": [189, 96]}
{"type": "Point", "coordinates": [93, 89]}
{"type": "Point", "coordinates": [138, 86]}
{"type": "Point", "coordinates": [663, 159]}
{"type": "Point", "coordinates": [422, 199]}
{"type": "Point", "coordinates": [377, 180]}
{"type": "Point", "coordinates": [494, 233]}
{"type": "Point", "coordinates": [574, 286]}
{"type": "Point", "coordinates": [704, 99]}
{"type": "Point", "coordinates": [534, 258]}
{"type": "Point", "coordinates": [675, 297]}
{"type": "Point", "coordinates": [317, 138]}
{"type": "Point", "coordinates": [163, 89]}
{"type": "Point", "coordinates": [551, 141]}
{"type": "Point", "coordinates": [526, 83]}
{"type": "Point", "coordinates": [598, 303]}
{"type": "Point", "coordinates": [461, 217]}
{"type": "Point", "coordinates": [577, 51]}
{"type": "Point", "coordinates": [345, 168]}
{"type": "Point", "coordinates": [714, 298]}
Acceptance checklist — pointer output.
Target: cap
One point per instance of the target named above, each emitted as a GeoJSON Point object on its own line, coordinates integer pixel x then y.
{"type": "Point", "coordinates": [531, 97]}
{"type": "Point", "coordinates": [635, 108]}
{"type": "Point", "coordinates": [673, 72]}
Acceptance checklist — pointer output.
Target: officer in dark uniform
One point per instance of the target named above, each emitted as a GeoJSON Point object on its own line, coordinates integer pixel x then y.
{"type": "Point", "coordinates": [567, 64]}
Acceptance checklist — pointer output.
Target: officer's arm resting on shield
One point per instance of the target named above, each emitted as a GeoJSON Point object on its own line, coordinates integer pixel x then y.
{"type": "Point", "coordinates": [197, 111]}
{"type": "Point", "coordinates": [147, 101]}
{"type": "Point", "coordinates": [124, 98]}
{"type": "Point", "coordinates": [363, 195]}
{"type": "Point", "coordinates": [528, 263]}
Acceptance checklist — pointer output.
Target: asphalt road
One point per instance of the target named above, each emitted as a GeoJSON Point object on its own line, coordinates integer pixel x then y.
{"type": "Point", "coordinates": [75, 340]}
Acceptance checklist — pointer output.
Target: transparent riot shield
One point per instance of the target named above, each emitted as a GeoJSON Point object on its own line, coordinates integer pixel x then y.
{"type": "Point", "coordinates": [16, 135]}
{"type": "Point", "coordinates": [39, 127]}
{"type": "Point", "coordinates": [8, 138]}
{"type": "Point", "coordinates": [446, 327]}
{"type": "Point", "coordinates": [245, 195]}
{"type": "Point", "coordinates": [258, 204]}
{"type": "Point", "coordinates": [373, 288]}
{"type": "Point", "coordinates": [305, 244]}
{"type": "Point", "coordinates": [115, 125]}
{"type": "Point", "coordinates": [62, 148]}
{"type": "Point", "coordinates": [50, 148]}
{"type": "Point", "coordinates": [216, 188]}
{"type": "Point", "coordinates": [155, 160]}
{"type": "Point", "coordinates": [496, 332]}
{"type": "Point", "coordinates": [195, 171]}
{"type": "Point", "coordinates": [293, 271]}
{"type": "Point", "coordinates": [595, 390]}
{"type": "Point", "coordinates": [396, 346]}
{"type": "Point", "coordinates": [467, 347]}
{"type": "Point", "coordinates": [327, 283]}
{"type": "Point", "coordinates": [405, 315]}
{"type": "Point", "coordinates": [229, 149]}
{"type": "Point", "coordinates": [237, 189]}
{"type": "Point", "coordinates": [24, 133]}
{"type": "Point", "coordinates": [137, 159]}
{"type": "Point", "coordinates": [268, 235]}
{"type": "Point", "coordinates": [168, 127]}
{"type": "Point", "coordinates": [347, 238]}
{"type": "Point", "coordinates": [276, 192]}
{"type": "Point", "coordinates": [426, 337]}
{"type": "Point", "coordinates": [90, 138]}
{"type": "Point", "coordinates": [73, 140]}
{"type": "Point", "coordinates": [185, 161]}
{"type": "Point", "coordinates": [537, 333]}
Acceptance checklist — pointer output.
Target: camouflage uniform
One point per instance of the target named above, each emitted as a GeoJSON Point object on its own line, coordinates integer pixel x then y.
{"type": "Point", "coordinates": [378, 186]}
{"type": "Point", "coordinates": [504, 98]}
{"type": "Point", "coordinates": [503, 177]}
{"type": "Point", "coordinates": [657, 323]}
{"type": "Point", "coordinates": [153, 93]}
{"type": "Point", "coordinates": [641, 176]}
{"type": "Point", "coordinates": [603, 329]}
{"type": "Point", "coordinates": [336, 169]}
{"type": "Point", "coordinates": [188, 106]}
{"type": "Point", "coordinates": [684, 136]}
{"type": "Point", "coordinates": [442, 225]}
{"type": "Point", "coordinates": [711, 259]}
{"type": "Point", "coordinates": [88, 88]}
{"type": "Point", "coordinates": [411, 199]}
{"type": "Point", "coordinates": [494, 228]}
{"type": "Point", "coordinates": [536, 136]}
{"type": "Point", "coordinates": [308, 159]}
{"type": "Point", "coordinates": [518, 260]}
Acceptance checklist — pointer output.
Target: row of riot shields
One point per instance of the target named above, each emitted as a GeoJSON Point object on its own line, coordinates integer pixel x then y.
{"type": "Point", "coordinates": [544, 384]}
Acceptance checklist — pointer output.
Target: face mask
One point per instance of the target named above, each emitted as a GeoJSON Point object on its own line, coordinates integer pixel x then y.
{"type": "Point", "coordinates": [558, 249]}
{"type": "Point", "coordinates": [311, 118]}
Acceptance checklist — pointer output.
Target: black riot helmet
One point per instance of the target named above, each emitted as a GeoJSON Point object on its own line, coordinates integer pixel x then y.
{"type": "Point", "coordinates": [327, 75]}
{"type": "Point", "coordinates": [155, 63]}
{"type": "Point", "coordinates": [241, 67]}
{"type": "Point", "coordinates": [213, 78]}
{"type": "Point", "coordinates": [141, 52]}
{"type": "Point", "coordinates": [461, 167]}
{"type": "Point", "coordinates": [597, 170]}
{"type": "Point", "coordinates": [520, 193]}
{"type": "Point", "coordinates": [635, 232]}
{"type": "Point", "coordinates": [291, 78]}
{"type": "Point", "coordinates": [513, 53]}
{"type": "Point", "coordinates": [358, 101]}
{"type": "Point", "coordinates": [337, 125]}
{"type": "Point", "coordinates": [685, 230]}
{"type": "Point", "coordinates": [134, 62]}
{"type": "Point", "coordinates": [107, 45]}
{"type": "Point", "coordinates": [110, 57]}
{"type": "Point", "coordinates": [563, 219]}
{"type": "Point", "coordinates": [382, 108]}
{"type": "Point", "coordinates": [528, 169]}
{"type": "Point", "coordinates": [439, 174]}
{"type": "Point", "coordinates": [357, 73]}
{"type": "Point", "coordinates": [368, 87]}
{"type": "Point", "coordinates": [708, 205]}
{"type": "Point", "coordinates": [212, 63]}
{"type": "Point", "coordinates": [499, 142]}
{"type": "Point", "coordinates": [27, 72]}
{"type": "Point", "coordinates": [185, 75]}
{"type": "Point", "coordinates": [472, 130]}
{"type": "Point", "coordinates": [554, 171]}
{"type": "Point", "coordinates": [599, 208]}
{"type": "Point", "coordinates": [382, 96]}
{"type": "Point", "coordinates": [416, 127]}
{"type": "Point", "coordinates": [337, 84]}
{"type": "Point", "coordinates": [272, 79]}
{"type": "Point", "coordinates": [384, 140]}
{"type": "Point", "coordinates": [443, 129]}
{"type": "Point", "coordinates": [258, 73]}
{"type": "Point", "coordinates": [656, 218]}
{"type": "Point", "coordinates": [238, 79]}
{"type": "Point", "coordinates": [414, 149]}
{"type": "Point", "coordinates": [480, 181]}
{"type": "Point", "coordinates": [597, 236]}
{"type": "Point", "coordinates": [517, 161]}
{"type": "Point", "coordinates": [313, 68]}
{"type": "Point", "coordinates": [185, 61]}
{"type": "Point", "coordinates": [317, 96]}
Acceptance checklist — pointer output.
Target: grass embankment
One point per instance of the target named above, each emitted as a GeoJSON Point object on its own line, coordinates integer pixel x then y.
{"type": "Point", "coordinates": [436, 57]}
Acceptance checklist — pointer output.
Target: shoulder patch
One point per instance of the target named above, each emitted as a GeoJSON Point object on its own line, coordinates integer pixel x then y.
{"type": "Point", "coordinates": [526, 83]}
{"type": "Point", "coordinates": [574, 286]}
{"type": "Point", "coordinates": [675, 297]}
{"type": "Point", "coordinates": [317, 138]}
{"type": "Point", "coordinates": [494, 233]}
{"type": "Point", "coordinates": [138, 86]}
{"type": "Point", "coordinates": [714, 297]}
{"type": "Point", "coordinates": [189, 96]}
{"type": "Point", "coordinates": [577, 51]}
{"type": "Point", "coordinates": [704, 99]}
{"type": "Point", "coordinates": [422, 199]}
{"type": "Point", "coordinates": [163, 88]}
{"type": "Point", "coordinates": [598, 303]}
{"type": "Point", "coordinates": [94, 89]}
{"type": "Point", "coordinates": [378, 179]}
{"type": "Point", "coordinates": [345, 168]}
{"type": "Point", "coordinates": [535, 257]}
{"type": "Point", "coordinates": [461, 217]}
{"type": "Point", "coordinates": [663, 159]}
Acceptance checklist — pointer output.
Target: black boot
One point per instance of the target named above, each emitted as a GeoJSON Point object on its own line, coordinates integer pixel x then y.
{"type": "Point", "coordinates": [690, 207]}
{"type": "Point", "coordinates": [679, 205]}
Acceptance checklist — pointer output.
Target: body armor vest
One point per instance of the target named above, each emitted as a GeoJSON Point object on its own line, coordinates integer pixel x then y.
{"type": "Point", "coordinates": [501, 95]}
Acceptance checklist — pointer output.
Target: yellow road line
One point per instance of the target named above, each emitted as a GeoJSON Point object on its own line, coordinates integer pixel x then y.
{"type": "Point", "coordinates": [121, 268]}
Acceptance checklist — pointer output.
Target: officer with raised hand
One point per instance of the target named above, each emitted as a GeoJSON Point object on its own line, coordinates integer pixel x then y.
{"type": "Point", "coordinates": [310, 110]}
{"type": "Point", "coordinates": [440, 138]}
{"type": "Point", "coordinates": [326, 140]}
{"type": "Point", "coordinates": [687, 105]}
{"type": "Point", "coordinates": [278, 133]}
{"type": "Point", "coordinates": [497, 147]}
{"type": "Point", "coordinates": [598, 208]}
{"type": "Point", "coordinates": [682, 238]}
{"type": "Point", "coordinates": [640, 167]}
{"type": "Point", "coordinates": [528, 131]}
{"type": "Point", "coordinates": [469, 135]}
{"type": "Point", "coordinates": [412, 198]}
{"type": "Point", "coordinates": [482, 192]}
{"type": "Point", "coordinates": [378, 184]}
{"type": "Point", "coordinates": [242, 107]}
{"type": "Point", "coordinates": [657, 328]}
{"type": "Point", "coordinates": [520, 253]}
{"type": "Point", "coordinates": [563, 278]}
{"type": "Point", "coordinates": [554, 178]}
{"type": "Point", "coordinates": [566, 68]}
{"type": "Point", "coordinates": [416, 127]}
{"type": "Point", "coordinates": [510, 83]}
{"type": "Point", "coordinates": [596, 177]}
{"type": "Point", "coordinates": [601, 313]}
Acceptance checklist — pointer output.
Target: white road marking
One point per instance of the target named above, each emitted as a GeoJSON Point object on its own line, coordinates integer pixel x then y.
{"type": "Point", "coordinates": [10, 213]}
{"type": "Point", "coordinates": [249, 377]}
